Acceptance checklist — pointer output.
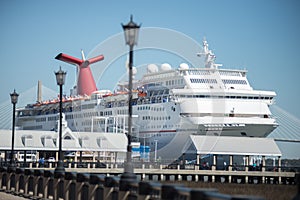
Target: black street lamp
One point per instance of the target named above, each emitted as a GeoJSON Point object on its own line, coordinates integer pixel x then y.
{"type": "Point", "coordinates": [131, 31]}
{"type": "Point", "coordinates": [14, 100]}
{"type": "Point", "coordinates": [60, 79]}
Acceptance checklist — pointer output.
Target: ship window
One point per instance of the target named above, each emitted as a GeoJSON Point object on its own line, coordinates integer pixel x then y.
{"type": "Point", "coordinates": [211, 81]}
{"type": "Point", "coordinates": [243, 133]}
{"type": "Point", "coordinates": [229, 73]}
{"type": "Point", "coordinates": [67, 138]}
{"type": "Point", "coordinates": [232, 81]}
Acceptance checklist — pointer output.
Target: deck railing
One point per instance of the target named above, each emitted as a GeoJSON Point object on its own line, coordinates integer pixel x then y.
{"type": "Point", "coordinates": [46, 184]}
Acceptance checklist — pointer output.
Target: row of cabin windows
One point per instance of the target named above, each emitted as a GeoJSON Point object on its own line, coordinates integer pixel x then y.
{"type": "Point", "coordinates": [77, 115]}
{"type": "Point", "coordinates": [54, 118]}
{"type": "Point", "coordinates": [159, 127]}
{"type": "Point", "coordinates": [39, 127]}
{"type": "Point", "coordinates": [122, 112]}
{"type": "Point", "coordinates": [97, 122]}
{"type": "Point", "coordinates": [174, 82]}
{"type": "Point", "coordinates": [90, 114]}
{"type": "Point", "coordinates": [226, 97]}
{"type": "Point", "coordinates": [160, 76]}
{"type": "Point", "coordinates": [43, 119]}
{"type": "Point", "coordinates": [214, 81]}
{"type": "Point", "coordinates": [197, 72]}
{"type": "Point", "coordinates": [86, 123]}
{"type": "Point", "coordinates": [156, 118]}
{"type": "Point", "coordinates": [88, 106]}
{"type": "Point", "coordinates": [106, 113]}
{"type": "Point", "coordinates": [203, 80]}
{"type": "Point", "coordinates": [151, 108]}
{"type": "Point", "coordinates": [231, 81]}
{"type": "Point", "coordinates": [228, 73]}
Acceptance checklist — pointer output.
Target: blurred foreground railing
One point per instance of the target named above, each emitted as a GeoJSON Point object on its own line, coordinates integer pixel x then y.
{"type": "Point", "coordinates": [46, 184]}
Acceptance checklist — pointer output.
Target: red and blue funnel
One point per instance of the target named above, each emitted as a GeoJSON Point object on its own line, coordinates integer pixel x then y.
{"type": "Point", "coordinates": [85, 81]}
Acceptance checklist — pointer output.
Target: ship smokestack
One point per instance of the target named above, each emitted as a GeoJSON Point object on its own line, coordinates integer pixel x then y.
{"type": "Point", "coordinates": [39, 92]}
{"type": "Point", "coordinates": [85, 81]}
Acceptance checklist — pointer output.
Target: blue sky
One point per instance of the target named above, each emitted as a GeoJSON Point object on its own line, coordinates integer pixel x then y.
{"type": "Point", "coordinates": [261, 36]}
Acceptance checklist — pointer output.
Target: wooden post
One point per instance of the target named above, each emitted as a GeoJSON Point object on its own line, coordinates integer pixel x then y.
{"type": "Point", "coordinates": [214, 164]}
{"type": "Point", "coordinates": [198, 161]}
{"type": "Point", "coordinates": [230, 162]}
{"type": "Point", "coordinates": [279, 164]}
{"type": "Point", "coordinates": [37, 156]}
{"type": "Point", "coordinates": [75, 160]}
{"type": "Point", "coordinates": [111, 157]}
{"type": "Point", "coordinates": [196, 178]}
{"type": "Point", "coordinates": [247, 163]}
{"type": "Point", "coordinates": [18, 154]}
{"type": "Point", "coordinates": [94, 156]}
{"type": "Point", "coordinates": [230, 167]}
{"type": "Point", "coordinates": [80, 156]}
{"type": "Point", "coordinates": [279, 169]}
{"type": "Point", "coordinates": [116, 156]}
{"type": "Point", "coordinates": [263, 166]}
{"type": "Point", "coordinates": [56, 156]}
{"type": "Point", "coordinates": [247, 168]}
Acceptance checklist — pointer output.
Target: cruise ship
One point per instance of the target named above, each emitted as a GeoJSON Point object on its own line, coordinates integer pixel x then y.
{"type": "Point", "coordinates": [169, 104]}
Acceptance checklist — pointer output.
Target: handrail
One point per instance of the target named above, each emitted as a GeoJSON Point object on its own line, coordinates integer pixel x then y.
{"type": "Point", "coordinates": [43, 183]}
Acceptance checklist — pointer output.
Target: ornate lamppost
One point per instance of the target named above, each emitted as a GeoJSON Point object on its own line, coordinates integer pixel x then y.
{"type": "Point", "coordinates": [131, 31]}
{"type": "Point", "coordinates": [14, 100]}
{"type": "Point", "coordinates": [60, 79]}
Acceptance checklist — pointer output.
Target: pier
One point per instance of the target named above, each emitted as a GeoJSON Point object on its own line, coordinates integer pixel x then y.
{"type": "Point", "coordinates": [161, 174]}
{"type": "Point", "coordinates": [104, 183]}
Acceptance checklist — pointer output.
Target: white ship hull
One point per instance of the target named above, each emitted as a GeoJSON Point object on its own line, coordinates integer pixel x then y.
{"type": "Point", "coordinates": [157, 124]}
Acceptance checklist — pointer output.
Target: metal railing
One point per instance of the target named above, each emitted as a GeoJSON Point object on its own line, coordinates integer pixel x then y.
{"type": "Point", "coordinates": [46, 184]}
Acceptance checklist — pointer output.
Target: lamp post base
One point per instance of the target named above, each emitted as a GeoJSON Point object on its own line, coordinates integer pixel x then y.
{"type": "Point", "coordinates": [12, 167]}
{"type": "Point", "coordinates": [59, 171]}
{"type": "Point", "coordinates": [127, 177]}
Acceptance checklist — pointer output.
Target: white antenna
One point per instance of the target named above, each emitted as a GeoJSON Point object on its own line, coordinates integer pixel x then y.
{"type": "Point", "coordinates": [209, 56]}
{"type": "Point", "coordinates": [82, 55]}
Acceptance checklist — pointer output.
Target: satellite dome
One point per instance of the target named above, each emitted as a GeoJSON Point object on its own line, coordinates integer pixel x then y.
{"type": "Point", "coordinates": [152, 68]}
{"type": "Point", "coordinates": [184, 66]}
{"type": "Point", "coordinates": [166, 67]}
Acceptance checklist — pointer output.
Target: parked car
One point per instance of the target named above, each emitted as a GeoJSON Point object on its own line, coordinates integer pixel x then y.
{"type": "Point", "coordinates": [51, 159]}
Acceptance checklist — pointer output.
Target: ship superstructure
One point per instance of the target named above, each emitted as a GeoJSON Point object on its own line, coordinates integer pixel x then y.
{"type": "Point", "coordinates": [168, 105]}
